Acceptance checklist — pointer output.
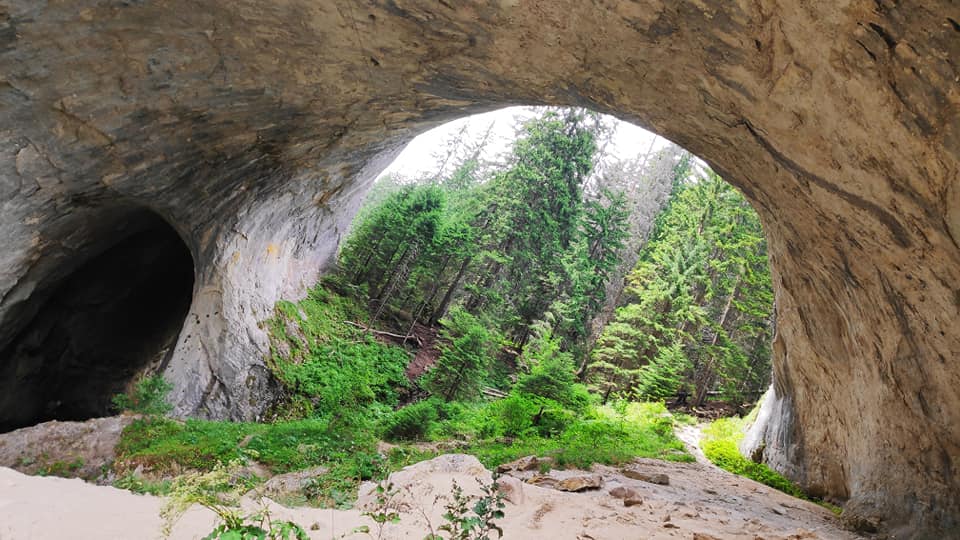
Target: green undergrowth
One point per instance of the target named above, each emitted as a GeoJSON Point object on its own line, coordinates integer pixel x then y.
{"type": "Point", "coordinates": [521, 425]}
{"type": "Point", "coordinates": [341, 395]}
{"type": "Point", "coordinates": [161, 444]}
{"type": "Point", "coordinates": [327, 365]}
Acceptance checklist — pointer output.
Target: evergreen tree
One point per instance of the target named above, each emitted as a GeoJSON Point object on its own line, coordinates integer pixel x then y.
{"type": "Point", "coordinates": [465, 355]}
{"type": "Point", "coordinates": [701, 303]}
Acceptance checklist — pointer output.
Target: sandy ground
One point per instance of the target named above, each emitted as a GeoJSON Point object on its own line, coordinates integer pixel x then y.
{"type": "Point", "coordinates": [700, 503]}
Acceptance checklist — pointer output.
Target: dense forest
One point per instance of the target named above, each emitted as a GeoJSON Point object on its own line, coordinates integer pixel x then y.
{"type": "Point", "coordinates": [521, 264]}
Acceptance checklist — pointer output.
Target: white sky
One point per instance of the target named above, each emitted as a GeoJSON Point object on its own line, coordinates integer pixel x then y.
{"type": "Point", "coordinates": [424, 154]}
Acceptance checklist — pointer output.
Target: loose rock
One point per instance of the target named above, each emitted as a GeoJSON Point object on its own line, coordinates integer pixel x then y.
{"type": "Point", "coordinates": [580, 482]}
{"type": "Point", "coordinates": [653, 478]}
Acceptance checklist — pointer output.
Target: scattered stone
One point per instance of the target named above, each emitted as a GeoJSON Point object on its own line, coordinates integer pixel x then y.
{"type": "Point", "coordinates": [623, 492]}
{"type": "Point", "coordinates": [528, 463]}
{"type": "Point", "coordinates": [580, 482]}
{"type": "Point", "coordinates": [542, 480]}
{"type": "Point", "coordinates": [653, 478]}
{"type": "Point", "coordinates": [862, 524]}
{"type": "Point", "coordinates": [289, 483]}
{"type": "Point", "coordinates": [632, 501]}
{"type": "Point", "coordinates": [704, 536]}
{"type": "Point", "coordinates": [670, 526]}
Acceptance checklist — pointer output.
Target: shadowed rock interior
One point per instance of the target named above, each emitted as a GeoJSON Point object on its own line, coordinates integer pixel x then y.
{"type": "Point", "coordinates": [114, 315]}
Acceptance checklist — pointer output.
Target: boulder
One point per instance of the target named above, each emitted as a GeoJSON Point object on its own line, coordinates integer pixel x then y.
{"type": "Point", "coordinates": [580, 482]}
{"type": "Point", "coordinates": [623, 492]}
{"type": "Point", "coordinates": [69, 449]}
{"type": "Point", "coordinates": [528, 463]}
{"type": "Point", "coordinates": [645, 476]}
{"type": "Point", "coordinates": [293, 483]}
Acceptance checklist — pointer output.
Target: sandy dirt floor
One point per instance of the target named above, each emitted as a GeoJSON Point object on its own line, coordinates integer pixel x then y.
{"type": "Point", "coordinates": [700, 502]}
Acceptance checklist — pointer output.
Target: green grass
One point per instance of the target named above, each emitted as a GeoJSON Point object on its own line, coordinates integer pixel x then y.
{"type": "Point", "coordinates": [163, 445]}
{"type": "Point", "coordinates": [602, 435]}
{"type": "Point", "coordinates": [342, 386]}
{"type": "Point", "coordinates": [501, 431]}
{"type": "Point", "coordinates": [143, 486]}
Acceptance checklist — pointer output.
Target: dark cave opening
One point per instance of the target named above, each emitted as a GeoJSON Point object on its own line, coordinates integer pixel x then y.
{"type": "Point", "coordinates": [118, 313]}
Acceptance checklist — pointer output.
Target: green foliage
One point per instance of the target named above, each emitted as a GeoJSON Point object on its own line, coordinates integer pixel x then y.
{"type": "Point", "coordinates": [476, 522]}
{"type": "Point", "coordinates": [411, 423]}
{"type": "Point", "coordinates": [149, 396]}
{"type": "Point", "coordinates": [219, 491]}
{"type": "Point", "coordinates": [720, 445]}
{"type": "Point", "coordinates": [329, 368]}
{"type": "Point", "coordinates": [386, 508]}
{"type": "Point", "coordinates": [505, 430]}
{"type": "Point", "coordinates": [552, 375]}
{"type": "Point", "coordinates": [63, 469]}
{"type": "Point", "coordinates": [507, 246]}
{"type": "Point", "coordinates": [163, 445]}
{"type": "Point", "coordinates": [464, 356]}
{"type": "Point", "coordinates": [701, 304]}
{"type": "Point", "coordinates": [142, 486]}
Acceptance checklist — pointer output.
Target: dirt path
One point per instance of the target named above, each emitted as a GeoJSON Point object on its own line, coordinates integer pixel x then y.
{"type": "Point", "coordinates": [700, 502]}
{"type": "Point", "coordinates": [690, 436]}
{"type": "Point", "coordinates": [426, 355]}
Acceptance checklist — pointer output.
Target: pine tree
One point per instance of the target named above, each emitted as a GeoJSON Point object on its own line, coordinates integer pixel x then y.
{"type": "Point", "coordinates": [464, 357]}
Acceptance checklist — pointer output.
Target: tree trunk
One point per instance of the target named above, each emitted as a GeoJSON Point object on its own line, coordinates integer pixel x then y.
{"type": "Point", "coordinates": [706, 374]}
{"type": "Point", "coordinates": [448, 297]}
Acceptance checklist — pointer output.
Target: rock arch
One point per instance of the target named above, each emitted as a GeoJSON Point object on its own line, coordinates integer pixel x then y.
{"type": "Point", "coordinates": [253, 126]}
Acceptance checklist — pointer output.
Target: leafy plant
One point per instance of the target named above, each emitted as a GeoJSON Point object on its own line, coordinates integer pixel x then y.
{"type": "Point", "coordinates": [386, 508]}
{"type": "Point", "coordinates": [464, 357]}
{"type": "Point", "coordinates": [476, 522]}
{"type": "Point", "coordinates": [219, 491]}
{"type": "Point", "coordinates": [149, 396]}
{"type": "Point", "coordinates": [137, 484]}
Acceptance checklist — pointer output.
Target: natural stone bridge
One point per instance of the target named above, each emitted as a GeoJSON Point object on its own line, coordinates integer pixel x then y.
{"type": "Point", "coordinates": [249, 129]}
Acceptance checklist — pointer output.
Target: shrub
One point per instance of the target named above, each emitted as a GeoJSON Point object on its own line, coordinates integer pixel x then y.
{"type": "Point", "coordinates": [329, 368]}
{"type": "Point", "coordinates": [552, 374]}
{"type": "Point", "coordinates": [462, 366]}
{"type": "Point", "coordinates": [149, 396]}
{"type": "Point", "coordinates": [411, 423]}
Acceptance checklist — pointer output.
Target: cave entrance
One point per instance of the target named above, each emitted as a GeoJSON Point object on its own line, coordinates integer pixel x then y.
{"type": "Point", "coordinates": [115, 315]}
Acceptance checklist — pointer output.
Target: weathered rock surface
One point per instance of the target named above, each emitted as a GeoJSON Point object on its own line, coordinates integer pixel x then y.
{"type": "Point", "coordinates": [567, 480]}
{"type": "Point", "coordinates": [527, 463]}
{"type": "Point", "coordinates": [580, 482]}
{"type": "Point", "coordinates": [252, 128]}
{"type": "Point", "coordinates": [646, 476]}
{"type": "Point", "coordinates": [285, 485]}
{"type": "Point", "coordinates": [70, 449]}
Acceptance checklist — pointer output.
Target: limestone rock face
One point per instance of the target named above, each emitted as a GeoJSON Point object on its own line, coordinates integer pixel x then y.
{"type": "Point", "coordinates": [252, 128]}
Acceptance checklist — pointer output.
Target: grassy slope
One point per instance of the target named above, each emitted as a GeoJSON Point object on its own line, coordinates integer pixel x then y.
{"type": "Point", "coordinates": [342, 387]}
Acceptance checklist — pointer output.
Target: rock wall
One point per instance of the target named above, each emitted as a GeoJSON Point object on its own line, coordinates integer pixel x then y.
{"type": "Point", "coordinates": [252, 127]}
